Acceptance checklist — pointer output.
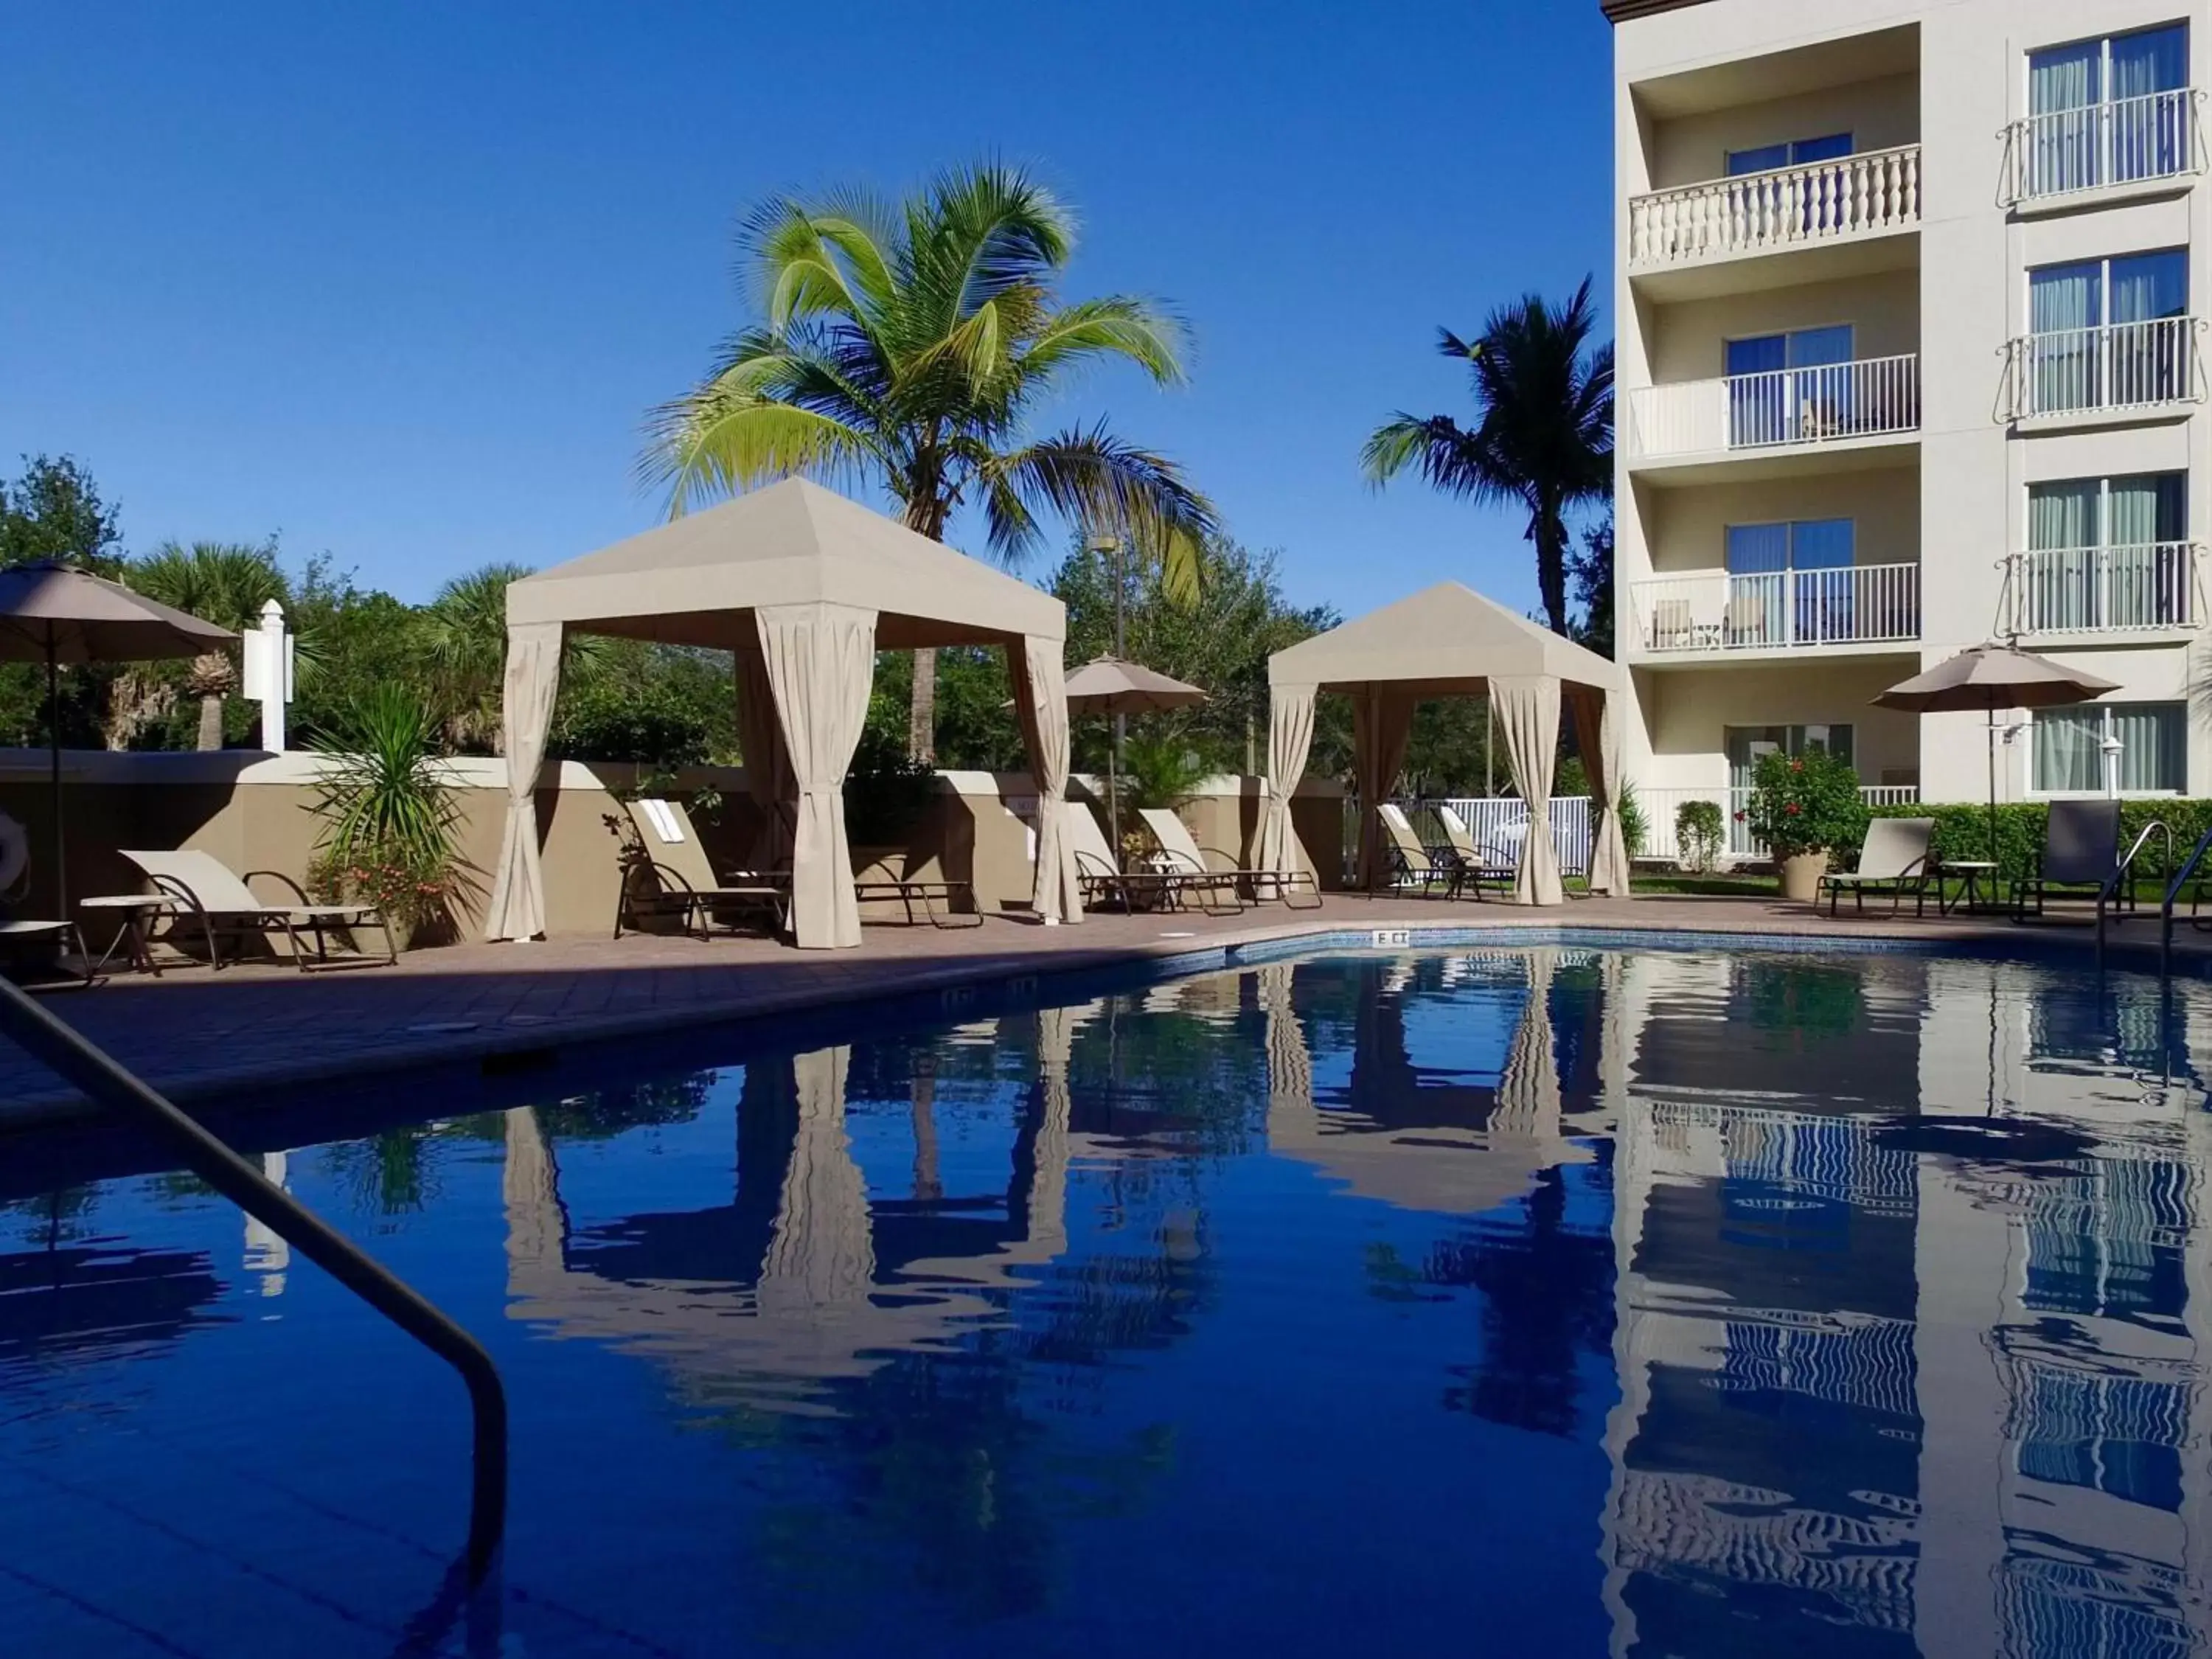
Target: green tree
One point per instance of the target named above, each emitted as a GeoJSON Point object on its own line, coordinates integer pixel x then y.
{"type": "Point", "coordinates": [463, 635]}
{"type": "Point", "coordinates": [226, 583]}
{"type": "Point", "coordinates": [1589, 572]}
{"type": "Point", "coordinates": [909, 347]}
{"type": "Point", "coordinates": [1543, 436]}
{"type": "Point", "coordinates": [362, 638]}
{"type": "Point", "coordinates": [54, 511]}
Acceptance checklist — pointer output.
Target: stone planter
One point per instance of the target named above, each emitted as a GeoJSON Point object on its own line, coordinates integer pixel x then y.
{"type": "Point", "coordinates": [1802, 873]}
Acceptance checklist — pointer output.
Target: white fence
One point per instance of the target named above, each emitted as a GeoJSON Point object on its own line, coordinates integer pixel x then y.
{"type": "Point", "coordinates": [1660, 806]}
{"type": "Point", "coordinates": [1784, 208]}
{"type": "Point", "coordinates": [2129, 141]}
{"type": "Point", "coordinates": [1496, 821]}
{"type": "Point", "coordinates": [1867, 398]}
{"type": "Point", "coordinates": [2119, 365]}
{"type": "Point", "coordinates": [1848, 605]}
{"type": "Point", "coordinates": [2102, 590]}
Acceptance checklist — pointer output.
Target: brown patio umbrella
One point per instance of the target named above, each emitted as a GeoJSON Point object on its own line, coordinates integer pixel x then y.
{"type": "Point", "coordinates": [55, 613]}
{"type": "Point", "coordinates": [1989, 677]}
{"type": "Point", "coordinates": [1108, 685]}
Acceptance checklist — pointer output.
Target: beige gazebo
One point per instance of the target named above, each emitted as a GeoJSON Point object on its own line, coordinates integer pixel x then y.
{"type": "Point", "coordinates": [805, 586]}
{"type": "Point", "coordinates": [1450, 641]}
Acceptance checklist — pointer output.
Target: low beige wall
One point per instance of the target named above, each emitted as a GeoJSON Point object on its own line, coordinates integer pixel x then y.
{"type": "Point", "coordinates": [256, 812]}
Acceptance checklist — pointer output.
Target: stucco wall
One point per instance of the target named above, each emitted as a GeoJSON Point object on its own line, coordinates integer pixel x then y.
{"type": "Point", "coordinates": [1878, 114]}
{"type": "Point", "coordinates": [1689, 340]}
{"type": "Point", "coordinates": [1689, 709]}
{"type": "Point", "coordinates": [1688, 528]}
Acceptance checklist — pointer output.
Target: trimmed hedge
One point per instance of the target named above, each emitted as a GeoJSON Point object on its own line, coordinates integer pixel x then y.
{"type": "Point", "coordinates": [1962, 831]}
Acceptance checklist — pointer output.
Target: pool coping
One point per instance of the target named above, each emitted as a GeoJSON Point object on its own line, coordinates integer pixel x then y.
{"type": "Point", "coordinates": [814, 1015]}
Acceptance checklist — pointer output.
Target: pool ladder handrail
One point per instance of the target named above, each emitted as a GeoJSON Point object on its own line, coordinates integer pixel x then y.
{"type": "Point", "coordinates": [2172, 895]}
{"type": "Point", "coordinates": [2124, 871]}
{"type": "Point", "coordinates": [103, 1079]}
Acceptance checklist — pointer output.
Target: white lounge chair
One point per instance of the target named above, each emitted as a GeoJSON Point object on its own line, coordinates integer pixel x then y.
{"type": "Point", "coordinates": [668, 873]}
{"type": "Point", "coordinates": [205, 897]}
{"type": "Point", "coordinates": [1479, 865]}
{"type": "Point", "coordinates": [1103, 878]}
{"type": "Point", "coordinates": [1414, 861]}
{"type": "Point", "coordinates": [1892, 858]}
{"type": "Point", "coordinates": [1217, 878]}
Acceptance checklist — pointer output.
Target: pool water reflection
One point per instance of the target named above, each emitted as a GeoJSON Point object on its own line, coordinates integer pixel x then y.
{"type": "Point", "coordinates": [1649, 1304]}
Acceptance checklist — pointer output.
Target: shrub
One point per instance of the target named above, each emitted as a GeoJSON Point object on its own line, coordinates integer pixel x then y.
{"type": "Point", "coordinates": [1635, 826]}
{"type": "Point", "coordinates": [1807, 803]}
{"type": "Point", "coordinates": [1962, 831]}
{"type": "Point", "coordinates": [1700, 836]}
{"type": "Point", "coordinates": [390, 824]}
{"type": "Point", "coordinates": [886, 790]}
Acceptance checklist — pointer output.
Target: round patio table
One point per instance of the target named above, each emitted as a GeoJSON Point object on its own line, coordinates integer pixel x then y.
{"type": "Point", "coordinates": [1973, 896]}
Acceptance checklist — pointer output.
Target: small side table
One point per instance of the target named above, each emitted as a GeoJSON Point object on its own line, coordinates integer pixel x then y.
{"type": "Point", "coordinates": [135, 937]}
{"type": "Point", "coordinates": [1972, 894]}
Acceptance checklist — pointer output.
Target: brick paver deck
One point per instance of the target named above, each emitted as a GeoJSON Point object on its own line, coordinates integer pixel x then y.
{"type": "Point", "coordinates": [217, 1037]}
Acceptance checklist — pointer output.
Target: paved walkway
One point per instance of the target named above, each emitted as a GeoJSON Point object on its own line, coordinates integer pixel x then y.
{"type": "Point", "coordinates": [204, 1036]}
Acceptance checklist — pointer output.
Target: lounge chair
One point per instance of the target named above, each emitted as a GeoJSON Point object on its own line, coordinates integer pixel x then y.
{"type": "Point", "coordinates": [1103, 880]}
{"type": "Point", "coordinates": [1411, 860]}
{"type": "Point", "coordinates": [1205, 871]}
{"type": "Point", "coordinates": [1893, 859]}
{"type": "Point", "coordinates": [205, 897]}
{"type": "Point", "coordinates": [903, 879]}
{"type": "Point", "coordinates": [666, 872]}
{"type": "Point", "coordinates": [1479, 865]}
{"type": "Point", "coordinates": [2080, 849]}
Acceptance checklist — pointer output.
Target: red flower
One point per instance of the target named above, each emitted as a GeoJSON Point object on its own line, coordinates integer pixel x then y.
{"type": "Point", "coordinates": [1791, 809]}
{"type": "Point", "coordinates": [1739, 818]}
{"type": "Point", "coordinates": [1796, 765]}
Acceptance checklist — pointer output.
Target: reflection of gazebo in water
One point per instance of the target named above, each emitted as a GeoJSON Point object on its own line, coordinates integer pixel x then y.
{"type": "Point", "coordinates": [1440, 1142]}
{"type": "Point", "coordinates": [801, 1278]}
{"type": "Point", "coordinates": [72, 1302]}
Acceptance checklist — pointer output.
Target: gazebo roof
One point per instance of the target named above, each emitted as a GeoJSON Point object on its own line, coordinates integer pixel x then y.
{"type": "Point", "coordinates": [1445, 641]}
{"type": "Point", "coordinates": [793, 543]}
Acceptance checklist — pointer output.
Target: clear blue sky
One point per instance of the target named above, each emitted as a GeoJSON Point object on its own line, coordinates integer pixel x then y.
{"type": "Point", "coordinates": [399, 281]}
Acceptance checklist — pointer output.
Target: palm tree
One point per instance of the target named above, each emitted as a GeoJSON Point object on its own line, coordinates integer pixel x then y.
{"type": "Point", "coordinates": [1543, 435]}
{"type": "Point", "coordinates": [906, 347]}
{"type": "Point", "coordinates": [464, 632]}
{"type": "Point", "coordinates": [226, 583]}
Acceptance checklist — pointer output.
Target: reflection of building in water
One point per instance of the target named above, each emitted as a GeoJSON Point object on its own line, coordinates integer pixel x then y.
{"type": "Point", "coordinates": [802, 1277]}
{"type": "Point", "coordinates": [1927, 1380]}
{"type": "Point", "coordinates": [267, 1255]}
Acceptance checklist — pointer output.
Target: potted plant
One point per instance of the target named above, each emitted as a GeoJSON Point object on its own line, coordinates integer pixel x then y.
{"type": "Point", "coordinates": [1804, 808]}
{"type": "Point", "coordinates": [391, 824]}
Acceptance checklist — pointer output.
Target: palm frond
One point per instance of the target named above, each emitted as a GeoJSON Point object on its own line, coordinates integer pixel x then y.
{"type": "Point", "coordinates": [1092, 479]}
{"type": "Point", "coordinates": [1117, 326]}
{"type": "Point", "coordinates": [710, 444]}
{"type": "Point", "coordinates": [1450, 457]}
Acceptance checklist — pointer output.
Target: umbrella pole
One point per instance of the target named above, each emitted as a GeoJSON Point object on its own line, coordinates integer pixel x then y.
{"type": "Point", "coordinates": [1121, 720]}
{"type": "Point", "coordinates": [1995, 875]}
{"type": "Point", "coordinates": [54, 776]}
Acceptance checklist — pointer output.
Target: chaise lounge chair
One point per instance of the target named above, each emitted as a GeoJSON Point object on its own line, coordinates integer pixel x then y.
{"type": "Point", "coordinates": [666, 872]}
{"type": "Point", "coordinates": [1411, 860]}
{"type": "Point", "coordinates": [205, 897]}
{"type": "Point", "coordinates": [1207, 871]}
{"type": "Point", "coordinates": [2080, 849]}
{"type": "Point", "coordinates": [1479, 865]}
{"type": "Point", "coordinates": [1103, 878]}
{"type": "Point", "coordinates": [1893, 859]}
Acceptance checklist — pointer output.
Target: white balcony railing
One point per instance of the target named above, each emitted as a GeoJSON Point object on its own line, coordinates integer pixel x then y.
{"type": "Point", "coordinates": [1863, 399]}
{"type": "Point", "coordinates": [1660, 806]}
{"type": "Point", "coordinates": [2120, 366]}
{"type": "Point", "coordinates": [2103, 590]}
{"type": "Point", "coordinates": [1850, 604]}
{"type": "Point", "coordinates": [2130, 141]}
{"type": "Point", "coordinates": [1784, 208]}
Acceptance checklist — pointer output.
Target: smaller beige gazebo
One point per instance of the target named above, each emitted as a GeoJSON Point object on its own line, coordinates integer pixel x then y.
{"type": "Point", "coordinates": [1450, 641]}
{"type": "Point", "coordinates": [803, 587]}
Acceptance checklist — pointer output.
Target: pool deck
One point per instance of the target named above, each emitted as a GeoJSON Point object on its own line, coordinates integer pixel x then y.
{"type": "Point", "coordinates": [203, 1036]}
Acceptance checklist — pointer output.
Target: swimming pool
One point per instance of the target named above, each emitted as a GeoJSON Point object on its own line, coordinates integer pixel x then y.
{"type": "Point", "coordinates": [1564, 1299]}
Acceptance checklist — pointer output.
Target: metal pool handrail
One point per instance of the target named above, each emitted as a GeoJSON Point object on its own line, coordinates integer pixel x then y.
{"type": "Point", "coordinates": [2124, 871]}
{"type": "Point", "coordinates": [91, 1069]}
{"type": "Point", "coordinates": [2172, 894]}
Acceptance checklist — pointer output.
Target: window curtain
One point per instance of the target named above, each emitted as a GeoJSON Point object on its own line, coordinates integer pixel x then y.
{"type": "Point", "coordinates": [2062, 89]}
{"type": "Point", "coordinates": [1041, 703]}
{"type": "Point", "coordinates": [2069, 749]}
{"type": "Point", "coordinates": [1289, 739]}
{"type": "Point", "coordinates": [2153, 60]}
{"type": "Point", "coordinates": [768, 767]}
{"type": "Point", "coordinates": [2061, 297]}
{"type": "Point", "coordinates": [2146, 286]}
{"type": "Point", "coordinates": [2151, 135]}
{"type": "Point", "coordinates": [1597, 735]}
{"type": "Point", "coordinates": [821, 661]}
{"type": "Point", "coordinates": [1382, 726]}
{"type": "Point", "coordinates": [1528, 707]}
{"type": "Point", "coordinates": [2154, 744]}
{"type": "Point", "coordinates": [2060, 585]}
{"type": "Point", "coordinates": [2065, 302]}
{"type": "Point", "coordinates": [534, 680]}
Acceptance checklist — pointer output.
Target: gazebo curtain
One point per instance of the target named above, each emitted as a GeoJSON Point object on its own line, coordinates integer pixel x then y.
{"type": "Point", "coordinates": [1598, 736]}
{"type": "Point", "coordinates": [1041, 704]}
{"type": "Point", "coordinates": [1527, 710]}
{"type": "Point", "coordinates": [534, 680]}
{"type": "Point", "coordinates": [767, 766]}
{"type": "Point", "coordinates": [822, 1257]}
{"type": "Point", "coordinates": [821, 661]}
{"type": "Point", "coordinates": [1382, 726]}
{"type": "Point", "coordinates": [1289, 739]}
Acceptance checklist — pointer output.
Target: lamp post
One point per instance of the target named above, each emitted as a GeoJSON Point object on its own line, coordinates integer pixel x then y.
{"type": "Point", "coordinates": [1112, 544]}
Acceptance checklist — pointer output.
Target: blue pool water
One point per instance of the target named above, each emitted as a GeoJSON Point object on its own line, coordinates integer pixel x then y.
{"type": "Point", "coordinates": [1554, 1301]}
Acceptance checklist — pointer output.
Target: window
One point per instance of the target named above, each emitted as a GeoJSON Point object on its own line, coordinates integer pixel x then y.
{"type": "Point", "coordinates": [2110, 333]}
{"type": "Point", "coordinates": [2108, 112]}
{"type": "Point", "coordinates": [1746, 744]}
{"type": "Point", "coordinates": [2107, 553]}
{"type": "Point", "coordinates": [1785, 389]}
{"type": "Point", "coordinates": [1767, 157]}
{"type": "Point", "coordinates": [2154, 758]}
{"type": "Point", "coordinates": [1790, 584]}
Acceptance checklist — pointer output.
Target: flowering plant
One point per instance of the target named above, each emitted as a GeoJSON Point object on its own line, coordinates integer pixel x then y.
{"type": "Point", "coordinates": [1807, 803]}
{"type": "Point", "coordinates": [412, 893]}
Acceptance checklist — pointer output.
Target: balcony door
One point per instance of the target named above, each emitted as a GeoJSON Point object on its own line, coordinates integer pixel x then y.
{"type": "Point", "coordinates": [1769, 199]}
{"type": "Point", "coordinates": [1790, 584]}
{"type": "Point", "coordinates": [1786, 388]}
{"type": "Point", "coordinates": [2107, 553]}
{"type": "Point", "coordinates": [2110, 333]}
{"type": "Point", "coordinates": [2109, 111]}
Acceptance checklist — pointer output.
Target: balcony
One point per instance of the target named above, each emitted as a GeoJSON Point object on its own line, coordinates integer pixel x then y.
{"type": "Point", "coordinates": [1836, 406]}
{"type": "Point", "coordinates": [2059, 158]}
{"type": "Point", "coordinates": [2083, 590]}
{"type": "Point", "coordinates": [2119, 370]}
{"type": "Point", "coordinates": [1715, 615]}
{"type": "Point", "coordinates": [1848, 199]}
